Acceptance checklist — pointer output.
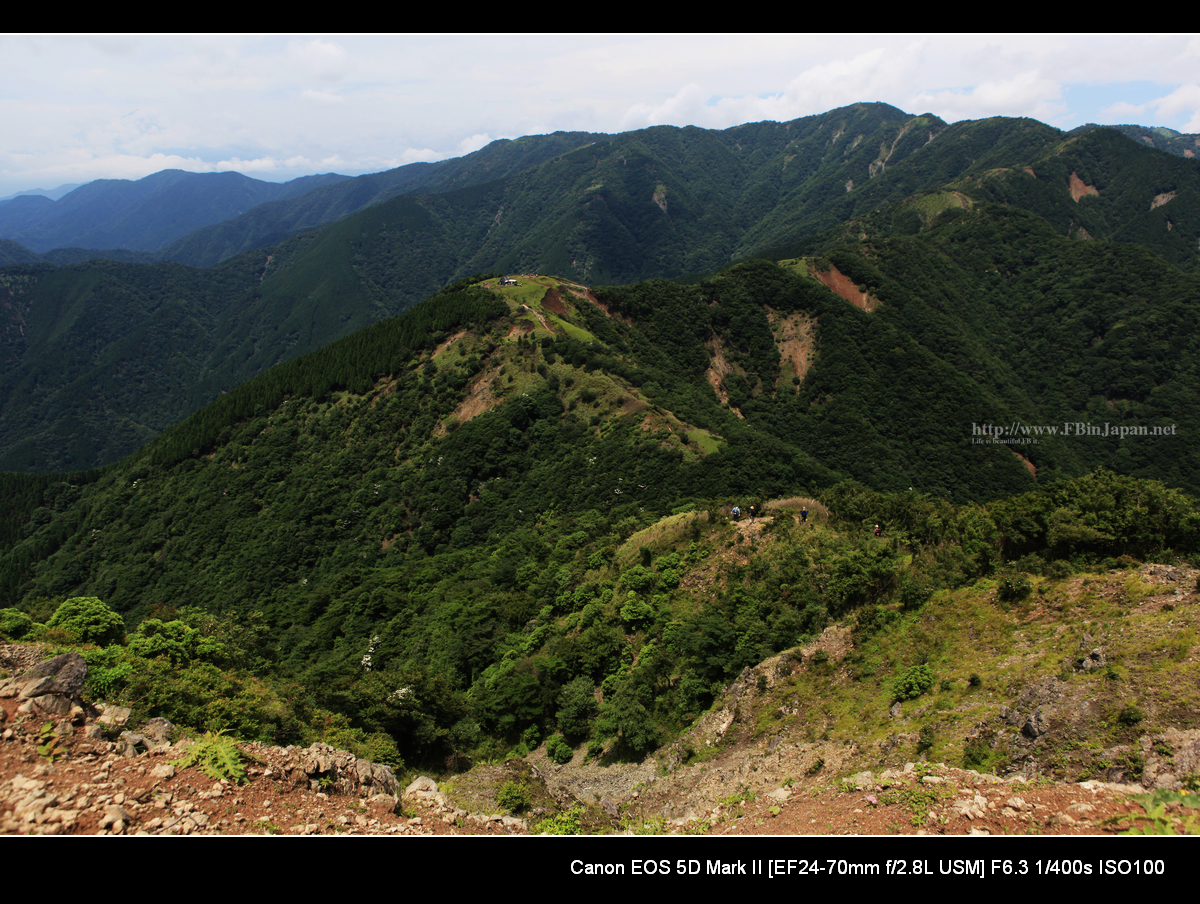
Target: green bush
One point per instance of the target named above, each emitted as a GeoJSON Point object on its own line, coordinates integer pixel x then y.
{"type": "Point", "coordinates": [1130, 715]}
{"type": "Point", "coordinates": [88, 620]}
{"type": "Point", "coordinates": [626, 718]}
{"type": "Point", "coordinates": [108, 671]}
{"type": "Point", "coordinates": [513, 797]}
{"type": "Point", "coordinates": [913, 682]}
{"type": "Point", "coordinates": [559, 750]}
{"type": "Point", "coordinates": [14, 624]}
{"type": "Point", "coordinates": [565, 823]}
{"type": "Point", "coordinates": [1013, 587]}
{"type": "Point", "coordinates": [913, 593]}
{"type": "Point", "coordinates": [176, 641]}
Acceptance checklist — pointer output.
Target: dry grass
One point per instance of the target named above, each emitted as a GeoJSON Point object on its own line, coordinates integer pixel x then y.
{"type": "Point", "coordinates": [796, 503]}
{"type": "Point", "coordinates": [663, 533]}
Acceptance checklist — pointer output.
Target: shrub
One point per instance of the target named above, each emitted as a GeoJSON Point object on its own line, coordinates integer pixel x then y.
{"type": "Point", "coordinates": [559, 750]}
{"type": "Point", "coordinates": [913, 593]}
{"type": "Point", "coordinates": [513, 797]}
{"type": "Point", "coordinates": [565, 823]}
{"type": "Point", "coordinates": [176, 641]}
{"type": "Point", "coordinates": [14, 624]}
{"type": "Point", "coordinates": [88, 620]}
{"type": "Point", "coordinates": [627, 719]}
{"type": "Point", "coordinates": [1014, 587]}
{"type": "Point", "coordinates": [913, 682]}
{"type": "Point", "coordinates": [1130, 715]}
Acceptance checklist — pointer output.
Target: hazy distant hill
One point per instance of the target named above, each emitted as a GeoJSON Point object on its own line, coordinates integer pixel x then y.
{"type": "Point", "coordinates": [145, 214]}
{"type": "Point", "coordinates": [52, 193]}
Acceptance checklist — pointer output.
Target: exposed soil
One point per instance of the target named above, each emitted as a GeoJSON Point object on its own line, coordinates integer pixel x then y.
{"type": "Point", "coordinates": [480, 398]}
{"type": "Point", "coordinates": [834, 280]}
{"type": "Point", "coordinates": [1161, 199]}
{"type": "Point", "coordinates": [582, 292]}
{"type": "Point", "coordinates": [553, 302]}
{"type": "Point", "coordinates": [943, 802]}
{"type": "Point", "coordinates": [717, 370]}
{"type": "Point", "coordinates": [795, 339]}
{"type": "Point", "coordinates": [1080, 190]}
{"type": "Point", "coordinates": [88, 788]}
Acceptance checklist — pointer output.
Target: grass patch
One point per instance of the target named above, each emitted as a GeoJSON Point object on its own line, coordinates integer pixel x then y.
{"type": "Point", "coordinates": [704, 441]}
{"type": "Point", "coordinates": [665, 532]}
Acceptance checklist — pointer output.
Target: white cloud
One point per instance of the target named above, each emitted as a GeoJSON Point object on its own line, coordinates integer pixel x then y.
{"type": "Point", "coordinates": [327, 60]}
{"type": "Point", "coordinates": [1023, 94]}
{"type": "Point", "coordinates": [419, 155]}
{"type": "Point", "coordinates": [1183, 100]}
{"type": "Point", "coordinates": [80, 104]}
{"type": "Point", "coordinates": [1122, 112]}
{"type": "Point", "coordinates": [323, 97]}
{"type": "Point", "coordinates": [474, 143]}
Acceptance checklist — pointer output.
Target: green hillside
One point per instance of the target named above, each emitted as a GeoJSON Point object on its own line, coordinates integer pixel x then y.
{"type": "Point", "coordinates": [99, 357]}
{"type": "Point", "coordinates": [505, 513]}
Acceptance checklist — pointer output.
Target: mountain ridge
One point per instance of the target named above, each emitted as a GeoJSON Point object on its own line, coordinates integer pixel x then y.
{"type": "Point", "coordinates": [658, 202]}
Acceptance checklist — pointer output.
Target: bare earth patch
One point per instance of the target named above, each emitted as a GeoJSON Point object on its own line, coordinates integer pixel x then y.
{"type": "Point", "coordinates": [718, 368]}
{"type": "Point", "coordinates": [1161, 199]}
{"type": "Point", "coordinates": [834, 280]}
{"type": "Point", "coordinates": [795, 339]}
{"type": "Point", "coordinates": [1080, 190]}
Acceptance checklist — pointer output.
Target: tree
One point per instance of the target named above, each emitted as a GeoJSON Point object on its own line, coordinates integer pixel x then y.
{"type": "Point", "coordinates": [577, 708]}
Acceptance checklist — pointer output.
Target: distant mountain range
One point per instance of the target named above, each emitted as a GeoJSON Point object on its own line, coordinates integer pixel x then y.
{"type": "Point", "coordinates": [142, 215]}
{"type": "Point", "coordinates": [52, 193]}
{"type": "Point", "coordinates": [98, 357]}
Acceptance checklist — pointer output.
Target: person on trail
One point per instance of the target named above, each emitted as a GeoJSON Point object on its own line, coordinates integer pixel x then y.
{"type": "Point", "coordinates": [878, 530]}
{"type": "Point", "coordinates": [752, 513]}
{"type": "Point", "coordinates": [803, 514]}
{"type": "Point", "coordinates": [737, 513]}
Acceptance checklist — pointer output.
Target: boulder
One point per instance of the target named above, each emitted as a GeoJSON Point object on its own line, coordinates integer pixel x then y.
{"type": "Point", "coordinates": [50, 688]}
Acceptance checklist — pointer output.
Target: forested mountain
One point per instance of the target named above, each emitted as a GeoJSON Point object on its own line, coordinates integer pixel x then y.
{"type": "Point", "coordinates": [441, 535]}
{"type": "Point", "coordinates": [434, 537]}
{"type": "Point", "coordinates": [101, 356]}
{"type": "Point", "coordinates": [1181, 144]}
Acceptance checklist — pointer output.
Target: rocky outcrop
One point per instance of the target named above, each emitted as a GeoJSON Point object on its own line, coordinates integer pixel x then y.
{"type": "Point", "coordinates": [51, 688]}
{"type": "Point", "coordinates": [1170, 757]}
{"type": "Point", "coordinates": [324, 768]}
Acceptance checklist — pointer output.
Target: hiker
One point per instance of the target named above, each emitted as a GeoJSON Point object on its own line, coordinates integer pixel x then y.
{"type": "Point", "coordinates": [878, 530]}
{"type": "Point", "coordinates": [737, 513]}
{"type": "Point", "coordinates": [752, 514]}
{"type": "Point", "coordinates": [804, 515]}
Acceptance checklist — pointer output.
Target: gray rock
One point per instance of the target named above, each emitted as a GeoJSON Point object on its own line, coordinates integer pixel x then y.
{"type": "Point", "coordinates": [1036, 725]}
{"type": "Point", "coordinates": [51, 687]}
{"type": "Point", "coordinates": [1093, 661]}
{"type": "Point", "coordinates": [421, 783]}
{"type": "Point", "coordinates": [114, 716]}
{"type": "Point", "coordinates": [158, 730]}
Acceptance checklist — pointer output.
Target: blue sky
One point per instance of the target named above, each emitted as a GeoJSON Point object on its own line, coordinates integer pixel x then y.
{"type": "Point", "coordinates": [85, 107]}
